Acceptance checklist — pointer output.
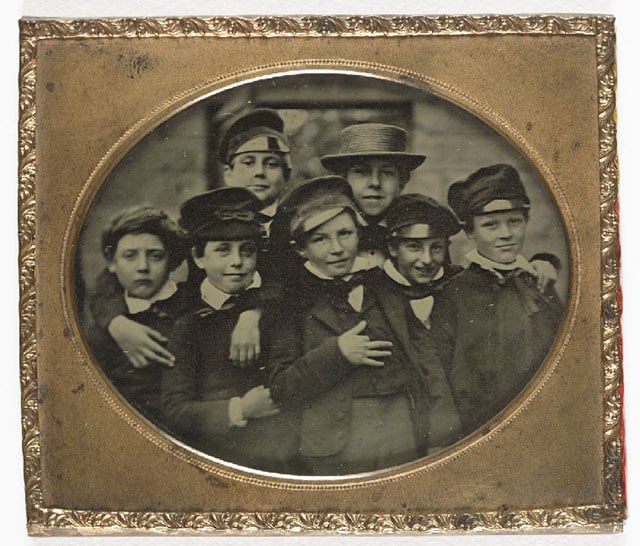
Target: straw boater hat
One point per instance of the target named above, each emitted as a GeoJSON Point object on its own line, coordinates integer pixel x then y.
{"type": "Point", "coordinates": [259, 130]}
{"type": "Point", "coordinates": [374, 140]}
{"type": "Point", "coordinates": [497, 188]}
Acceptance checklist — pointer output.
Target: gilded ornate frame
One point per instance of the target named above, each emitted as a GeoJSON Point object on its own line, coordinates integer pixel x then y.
{"type": "Point", "coordinates": [606, 515]}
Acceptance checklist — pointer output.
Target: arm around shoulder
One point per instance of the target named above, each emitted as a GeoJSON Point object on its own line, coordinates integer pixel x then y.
{"type": "Point", "coordinates": [107, 299]}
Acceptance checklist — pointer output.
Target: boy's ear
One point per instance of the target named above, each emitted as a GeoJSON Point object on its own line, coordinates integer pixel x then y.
{"type": "Point", "coordinates": [299, 250]}
{"type": "Point", "coordinates": [198, 260]}
{"type": "Point", "coordinates": [393, 248]}
{"type": "Point", "coordinates": [404, 178]}
{"type": "Point", "coordinates": [467, 227]}
{"type": "Point", "coordinates": [111, 266]}
{"type": "Point", "coordinates": [226, 171]}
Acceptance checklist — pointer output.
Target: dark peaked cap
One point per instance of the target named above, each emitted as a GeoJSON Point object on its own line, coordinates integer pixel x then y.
{"type": "Point", "coordinates": [251, 124]}
{"type": "Point", "coordinates": [313, 197]}
{"type": "Point", "coordinates": [468, 197]}
{"type": "Point", "coordinates": [414, 208]}
{"type": "Point", "coordinates": [222, 214]}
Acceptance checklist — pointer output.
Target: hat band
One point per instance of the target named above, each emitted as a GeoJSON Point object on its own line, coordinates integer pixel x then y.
{"type": "Point", "coordinates": [262, 143]}
{"type": "Point", "coordinates": [417, 231]}
{"type": "Point", "coordinates": [241, 215]}
{"type": "Point", "coordinates": [378, 138]}
{"type": "Point", "coordinates": [320, 218]}
{"type": "Point", "coordinates": [501, 205]}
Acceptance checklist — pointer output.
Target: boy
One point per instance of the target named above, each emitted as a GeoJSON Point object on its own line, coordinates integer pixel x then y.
{"type": "Point", "coordinates": [492, 325]}
{"type": "Point", "coordinates": [418, 246]}
{"type": "Point", "coordinates": [254, 152]}
{"type": "Point", "coordinates": [359, 379]}
{"type": "Point", "coordinates": [213, 405]}
{"type": "Point", "coordinates": [374, 160]}
{"type": "Point", "coordinates": [255, 155]}
{"type": "Point", "coordinates": [418, 268]}
{"type": "Point", "coordinates": [142, 246]}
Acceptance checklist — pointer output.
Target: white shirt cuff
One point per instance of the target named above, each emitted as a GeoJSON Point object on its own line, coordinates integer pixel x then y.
{"type": "Point", "coordinates": [235, 413]}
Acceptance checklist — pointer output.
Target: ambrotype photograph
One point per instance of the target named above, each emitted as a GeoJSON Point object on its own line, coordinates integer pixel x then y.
{"type": "Point", "coordinates": [321, 274]}
{"type": "Point", "coordinates": [276, 277]}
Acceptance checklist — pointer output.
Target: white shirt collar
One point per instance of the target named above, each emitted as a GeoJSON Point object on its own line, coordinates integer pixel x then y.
{"type": "Point", "coordinates": [495, 267]}
{"type": "Point", "coordinates": [421, 307]}
{"type": "Point", "coordinates": [270, 210]}
{"type": "Point", "coordinates": [138, 305]}
{"type": "Point", "coordinates": [356, 297]}
{"type": "Point", "coordinates": [216, 298]}
{"type": "Point", "coordinates": [356, 294]}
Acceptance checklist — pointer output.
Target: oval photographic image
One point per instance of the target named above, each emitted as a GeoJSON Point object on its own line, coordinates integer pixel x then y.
{"type": "Point", "coordinates": [321, 273]}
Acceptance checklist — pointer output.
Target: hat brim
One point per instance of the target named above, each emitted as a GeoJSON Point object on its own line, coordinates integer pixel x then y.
{"type": "Point", "coordinates": [423, 230]}
{"type": "Point", "coordinates": [323, 217]}
{"type": "Point", "coordinates": [336, 162]}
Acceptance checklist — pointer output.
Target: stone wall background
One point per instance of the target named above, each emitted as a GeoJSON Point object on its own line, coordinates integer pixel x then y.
{"type": "Point", "coordinates": [176, 160]}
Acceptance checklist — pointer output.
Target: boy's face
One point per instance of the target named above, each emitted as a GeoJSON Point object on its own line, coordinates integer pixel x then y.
{"type": "Point", "coordinates": [499, 236]}
{"type": "Point", "coordinates": [263, 173]}
{"type": "Point", "coordinates": [141, 264]}
{"type": "Point", "coordinates": [332, 247]}
{"type": "Point", "coordinates": [419, 260]}
{"type": "Point", "coordinates": [375, 183]}
{"type": "Point", "coordinates": [229, 265]}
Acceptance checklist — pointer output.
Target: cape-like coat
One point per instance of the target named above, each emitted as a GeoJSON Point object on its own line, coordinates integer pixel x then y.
{"type": "Point", "coordinates": [492, 335]}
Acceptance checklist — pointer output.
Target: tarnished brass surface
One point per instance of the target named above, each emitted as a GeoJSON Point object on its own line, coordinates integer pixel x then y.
{"type": "Point", "coordinates": [554, 462]}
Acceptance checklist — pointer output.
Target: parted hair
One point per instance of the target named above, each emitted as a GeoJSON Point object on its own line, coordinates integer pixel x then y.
{"type": "Point", "coordinates": [146, 219]}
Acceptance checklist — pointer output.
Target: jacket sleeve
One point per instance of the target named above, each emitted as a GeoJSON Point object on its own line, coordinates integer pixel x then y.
{"type": "Point", "coordinates": [298, 379]}
{"type": "Point", "coordinates": [548, 257]}
{"type": "Point", "coordinates": [443, 329]}
{"type": "Point", "coordinates": [106, 302]}
{"type": "Point", "coordinates": [184, 409]}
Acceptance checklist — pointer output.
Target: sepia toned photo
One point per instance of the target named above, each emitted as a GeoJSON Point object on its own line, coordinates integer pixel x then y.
{"type": "Point", "coordinates": [332, 291]}
{"type": "Point", "coordinates": [303, 284]}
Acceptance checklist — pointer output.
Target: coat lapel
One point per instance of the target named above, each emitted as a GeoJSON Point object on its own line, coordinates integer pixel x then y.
{"type": "Point", "coordinates": [393, 307]}
{"type": "Point", "coordinates": [328, 315]}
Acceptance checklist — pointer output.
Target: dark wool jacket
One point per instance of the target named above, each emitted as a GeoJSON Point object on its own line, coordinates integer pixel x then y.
{"type": "Point", "coordinates": [309, 372]}
{"type": "Point", "coordinates": [197, 390]}
{"type": "Point", "coordinates": [440, 415]}
{"type": "Point", "coordinates": [140, 386]}
{"type": "Point", "coordinates": [492, 335]}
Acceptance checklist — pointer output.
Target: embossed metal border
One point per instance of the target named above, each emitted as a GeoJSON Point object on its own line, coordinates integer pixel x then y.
{"type": "Point", "coordinates": [608, 516]}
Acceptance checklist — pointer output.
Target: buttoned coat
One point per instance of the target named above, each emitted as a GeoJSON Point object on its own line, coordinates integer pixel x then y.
{"type": "Point", "coordinates": [197, 390]}
{"type": "Point", "coordinates": [310, 372]}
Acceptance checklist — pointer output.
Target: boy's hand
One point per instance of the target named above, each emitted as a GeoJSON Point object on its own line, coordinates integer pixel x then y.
{"type": "Point", "coordinates": [257, 404]}
{"type": "Point", "coordinates": [546, 273]}
{"type": "Point", "coordinates": [359, 350]}
{"type": "Point", "coordinates": [245, 339]}
{"type": "Point", "coordinates": [139, 343]}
